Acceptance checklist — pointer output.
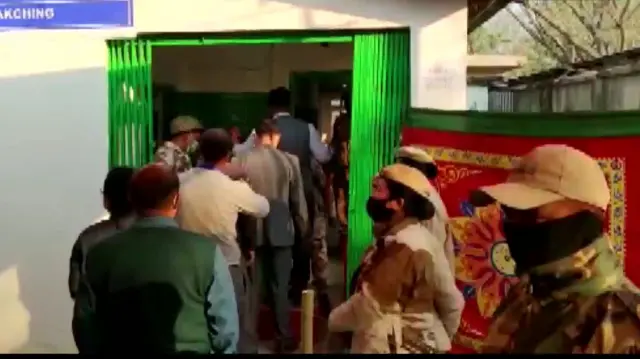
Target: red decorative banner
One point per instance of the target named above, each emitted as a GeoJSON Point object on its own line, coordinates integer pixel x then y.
{"type": "Point", "coordinates": [484, 269]}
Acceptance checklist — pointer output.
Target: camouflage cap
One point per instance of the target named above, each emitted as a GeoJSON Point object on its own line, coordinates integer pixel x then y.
{"type": "Point", "coordinates": [415, 153]}
{"type": "Point", "coordinates": [550, 173]}
{"type": "Point", "coordinates": [408, 177]}
{"type": "Point", "coordinates": [182, 124]}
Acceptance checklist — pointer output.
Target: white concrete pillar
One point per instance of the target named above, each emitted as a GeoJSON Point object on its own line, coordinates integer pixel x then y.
{"type": "Point", "coordinates": [439, 57]}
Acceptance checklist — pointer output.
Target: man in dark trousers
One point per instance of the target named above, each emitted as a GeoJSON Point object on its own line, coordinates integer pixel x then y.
{"type": "Point", "coordinates": [300, 139]}
{"type": "Point", "coordinates": [155, 288]}
{"type": "Point", "coordinates": [276, 176]}
{"type": "Point", "coordinates": [338, 177]}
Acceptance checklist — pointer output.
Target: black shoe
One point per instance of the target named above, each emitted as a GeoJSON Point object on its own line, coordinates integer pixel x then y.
{"type": "Point", "coordinates": [295, 297]}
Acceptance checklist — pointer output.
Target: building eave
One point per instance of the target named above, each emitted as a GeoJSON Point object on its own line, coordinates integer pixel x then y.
{"type": "Point", "coordinates": [479, 11]}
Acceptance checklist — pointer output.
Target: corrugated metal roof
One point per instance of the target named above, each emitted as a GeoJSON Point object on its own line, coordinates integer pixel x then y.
{"type": "Point", "coordinates": [601, 63]}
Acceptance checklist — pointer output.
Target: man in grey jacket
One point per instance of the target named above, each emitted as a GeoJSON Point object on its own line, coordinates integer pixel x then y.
{"type": "Point", "coordinates": [276, 176]}
{"type": "Point", "coordinates": [302, 140]}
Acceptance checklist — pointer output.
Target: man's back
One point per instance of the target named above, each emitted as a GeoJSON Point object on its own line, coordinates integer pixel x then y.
{"type": "Point", "coordinates": [152, 287]}
{"type": "Point", "coordinates": [209, 205]}
{"type": "Point", "coordinates": [276, 175]}
{"type": "Point", "coordinates": [295, 140]}
{"type": "Point", "coordinates": [89, 238]}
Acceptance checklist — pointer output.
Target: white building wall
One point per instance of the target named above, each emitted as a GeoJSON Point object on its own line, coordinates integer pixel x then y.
{"type": "Point", "coordinates": [239, 15]}
{"type": "Point", "coordinates": [54, 138]}
{"type": "Point", "coordinates": [53, 147]}
{"type": "Point", "coordinates": [439, 56]}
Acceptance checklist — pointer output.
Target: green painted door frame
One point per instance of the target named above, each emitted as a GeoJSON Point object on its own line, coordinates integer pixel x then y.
{"type": "Point", "coordinates": [130, 103]}
{"type": "Point", "coordinates": [380, 102]}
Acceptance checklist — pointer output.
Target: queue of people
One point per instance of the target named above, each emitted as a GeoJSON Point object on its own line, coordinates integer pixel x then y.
{"type": "Point", "coordinates": [198, 240]}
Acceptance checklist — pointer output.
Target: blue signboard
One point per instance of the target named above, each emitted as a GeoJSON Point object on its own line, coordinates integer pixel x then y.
{"type": "Point", "coordinates": [65, 14]}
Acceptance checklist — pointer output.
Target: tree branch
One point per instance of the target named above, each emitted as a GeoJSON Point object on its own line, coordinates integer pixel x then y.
{"type": "Point", "coordinates": [585, 52]}
{"type": "Point", "coordinates": [537, 35]}
{"type": "Point", "coordinates": [633, 11]}
{"type": "Point", "coordinates": [596, 40]}
{"type": "Point", "coordinates": [568, 31]}
{"type": "Point", "coordinates": [618, 23]}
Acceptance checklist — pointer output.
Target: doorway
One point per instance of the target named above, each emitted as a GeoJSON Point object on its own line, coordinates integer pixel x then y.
{"type": "Point", "coordinates": [318, 96]}
{"type": "Point", "coordinates": [379, 79]}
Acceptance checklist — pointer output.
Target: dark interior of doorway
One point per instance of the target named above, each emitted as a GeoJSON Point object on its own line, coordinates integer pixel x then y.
{"type": "Point", "coordinates": [244, 109]}
{"type": "Point", "coordinates": [311, 89]}
{"type": "Point", "coordinates": [308, 90]}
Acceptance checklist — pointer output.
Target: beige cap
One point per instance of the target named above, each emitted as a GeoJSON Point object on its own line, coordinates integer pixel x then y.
{"type": "Point", "coordinates": [550, 173]}
{"type": "Point", "coordinates": [182, 124]}
{"type": "Point", "coordinates": [408, 177]}
{"type": "Point", "coordinates": [415, 153]}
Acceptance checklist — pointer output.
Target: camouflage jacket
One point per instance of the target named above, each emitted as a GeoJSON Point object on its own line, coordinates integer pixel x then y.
{"type": "Point", "coordinates": [171, 155]}
{"type": "Point", "coordinates": [341, 147]}
{"type": "Point", "coordinates": [596, 310]}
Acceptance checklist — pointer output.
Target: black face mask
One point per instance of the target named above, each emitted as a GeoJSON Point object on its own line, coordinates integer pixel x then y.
{"type": "Point", "coordinates": [378, 211]}
{"type": "Point", "coordinates": [532, 245]}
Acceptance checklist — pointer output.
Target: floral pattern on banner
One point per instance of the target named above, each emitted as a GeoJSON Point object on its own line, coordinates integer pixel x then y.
{"type": "Point", "coordinates": [450, 174]}
{"type": "Point", "coordinates": [483, 261]}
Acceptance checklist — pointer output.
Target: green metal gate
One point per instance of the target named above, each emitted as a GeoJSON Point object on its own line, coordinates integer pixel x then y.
{"type": "Point", "coordinates": [380, 100]}
{"type": "Point", "coordinates": [130, 103]}
{"type": "Point", "coordinates": [381, 80]}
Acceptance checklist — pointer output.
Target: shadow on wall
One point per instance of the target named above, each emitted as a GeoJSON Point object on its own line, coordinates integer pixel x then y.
{"type": "Point", "coordinates": [383, 10]}
{"type": "Point", "coordinates": [54, 159]}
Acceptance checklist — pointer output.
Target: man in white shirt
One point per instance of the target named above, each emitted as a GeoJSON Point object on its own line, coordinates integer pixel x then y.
{"type": "Point", "coordinates": [210, 202]}
{"type": "Point", "coordinates": [301, 139]}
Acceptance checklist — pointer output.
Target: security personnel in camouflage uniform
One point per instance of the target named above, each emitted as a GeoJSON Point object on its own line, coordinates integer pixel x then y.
{"type": "Point", "coordinates": [181, 151]}
{"type": "Point", "coordinates": [338, 173]}
{"type": "Point", "coordinates": [573, 295]}
{"type": "Point", "coordinates": [319, 254]}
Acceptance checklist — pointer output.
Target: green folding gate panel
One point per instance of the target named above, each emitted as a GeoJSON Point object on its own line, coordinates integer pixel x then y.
{"type": "Point", "coordinates": [381, 80]}
{"type": "Point", "coordinates": [379, 105]}
{"type": "Point", "coordinates": [130, 103]}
